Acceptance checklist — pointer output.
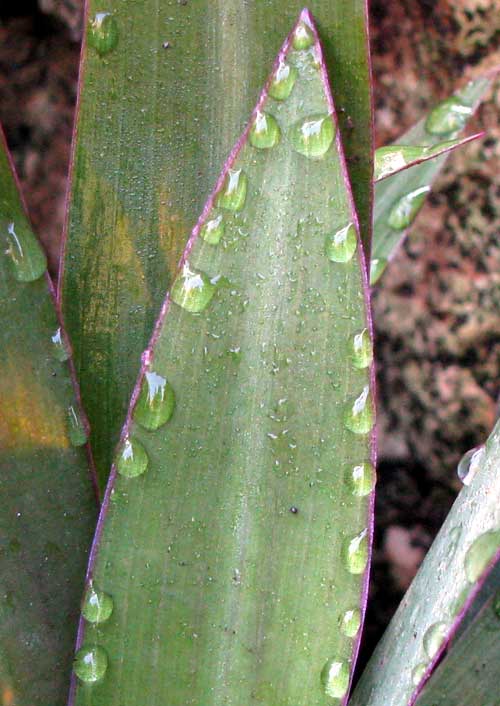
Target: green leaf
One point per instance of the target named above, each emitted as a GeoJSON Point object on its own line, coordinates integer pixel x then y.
{"type": "Point", "coordinates": [235, 535]}
{"type": "Point", "coordinates": [399, 198]}
{"type": "Point", "coordinates": [48, 505]}
{"type": "Point", "coordinates": [166, 89]}
{"type": "Point", "coordinates": [447, 581]}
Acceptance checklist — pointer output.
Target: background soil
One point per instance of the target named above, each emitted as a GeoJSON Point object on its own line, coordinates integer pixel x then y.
{"type": "Point", "coordinates": [437, 307]}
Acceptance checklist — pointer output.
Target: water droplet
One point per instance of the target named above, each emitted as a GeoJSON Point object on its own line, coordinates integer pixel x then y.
{"type": "Point", "coordinates": [213, 230]}
{"type": "Point", "coordinates": [90, 663]}
{"type": "Point", "coordinates": [341, 246]}
{"type": "Point", "coordinates": [434, 637]}
{"type": "Point", "coordinates": [377, 267]}
{"type": "Point", "coordinates": [469, 464]}
{"type": "Point", "coordinates": [359, 414]}
{"type": "Point", "coordinates": [362, 353]}
{"type": "Point", "coordinates": [303, 37]}
{"type": "Point", "coordinates": [480, 553]}
{"type": "Point", "coordinates": [156, 402]}
{"type": "Point", "coordinates": [405, 210]}
{"type": "Point", "coordinates": [97, 605]}
{"type": "Point", "coordinates": [77, 430]}
{"type": "Point", "coordinates": [335, 678]}
{"type": "Point", "coordinates": [355, 552]}
{"type": "Point", "coordinates": [265, 132]}
{"type": "Point", "coordinates": [133, 459]}
{"type": "Point", "coordinates": [234, 191]}
{"type": "Point", "coordinates": [363, 479]}
{"type": "Point", "coordinates": [449, 116]}
{"type": "Point", "coordinates": [60, 350]}
{"type": "Point", "coordinates": [28, 259]}
{"type": "Point", "coordinates": [103, 33]}
{"type": "Point", "coordinates": [459, 601]}
{"type": "Point", "coordinates": [193, 289]}
{"type": "Point", "coordinates": [312, 136]}
{"type": "Point", "coordinates": [283, 81]}
{"type": "Point", "coordinates": [351, 622]}
{"type": "Point", "coordinates": [418, 673]}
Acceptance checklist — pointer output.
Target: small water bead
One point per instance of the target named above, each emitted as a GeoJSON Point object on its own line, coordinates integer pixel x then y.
{"type": "Point", "coordinates": [312, 136]}
{"type": "Point", "coordinates": [469, 464]}
{"type": "Point", "coordinates": [355, 552]}
{"type": "Point", "coordinates": [59, 348]}
{"type": "Point", "coordinates": [405, 210]}
{"type": "Point", "coordinates": [434, 638]}
{"type": "Point", "coordinates": [459, 601]}
{"type": "Point", "coordinates": [265, 132]}
{"type": "Point", "coordinates": [156, 402]}
{"type": "Point", "coordinates": [213, 230]}
{"type": "Point", "coordinates": [90, 663]}
{"type": "Point", "coordinates": [377, 268]}
{"type": "Point", "coordinates": [480, 553]}
{"type": "Point", "coordinates": [335, 678]}
{"type": "Point", "coordinates": [358, 416]}
{"type": "Point", "coordinates": [303, 37]}
{"type": "Point", "coordinates": [449, 116]}
{"type": "Point", "coordinates": [97, 605]}
{"type": "Point", "coordinates": [351, 622]}
{"type": "Point", "coordinates": [362, 352]}
{"type": "Point", "coordinates": [341, 246]}
{"type": "Point", "coordinates": [103, 33]}
{"type": "Point", "coordinates": [77, 430]}
{"type": "Point", "coordinates": [418, 673]}
{"type": "Point", "coordinates": [283, 81]}
{"type": "Point", "coordinates": [363, 479]}
{"type": "Point", "coordinates": [133, 459]}
{"type": "Point", "coordinates": [234, 191]}
{"type": "Point", "coordinates": [27, 257]}
{"type": "Point", "coordinates": [193, 290]}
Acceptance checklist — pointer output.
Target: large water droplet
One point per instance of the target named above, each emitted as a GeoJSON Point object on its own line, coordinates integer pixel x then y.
{"type": "Point", "coordinates": [405, 210]}
{"type": "Point", "coordinates": [213, 230]}
{"type": "Point", "coordinates": [265, 132]}
{"type": "Point", "coordinates": [28, 259]}
{"type": "Point", "coordinates": [449, 116]}
{"type": "Point", "coordinates": [351, 622]}
{"type": "Point", "coordinates": [90, 663]}
{"type": "Point", "coordinates": [156, 402]}
{"type": "Point", "coordinates": [341, 246]}
{"type": "Point", "coordinates": [59, 348]}
{"type": "Point", "coordinates": [363, 479]}
{"type": "Point", "coordinates": [377, 267]}
{"type": "Point", "coordinates": [358, 416]}
{"type": "Point", "coordinates": [283, 81]}
{"type": "Point", "coordinates": [480, 553]}
{"type": "Point", "coordinates": [361, 351]}
{"type": "Point", "coordinates": [234, 190]}
{"type": "Point", "coordinates": [335, 678]}
{"type": "Point", "coordinates": [97, 605]}
{"type": "Point", "coordinates": [132, 459]}
{"type": "Point", "coordinates": [193, 289]}
{"type": "Point", "coordinates": [469, 464]}
{"type": "Point", "coordinates": [434, 637]}
{"type": "Point", "coordinates": [77, 430]}
{"type": "Point", "coordinates": [312, 136]}
{"type": "Point", "coordinates": [355, 552]}
{"type": "Point", "coordinates": [103, 33]}
{"type": "Point", "coordinates": [303, 37]}
{"type": "Point", "coordinates": [418, 673]}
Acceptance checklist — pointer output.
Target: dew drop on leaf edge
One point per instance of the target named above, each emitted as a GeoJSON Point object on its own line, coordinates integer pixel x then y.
{"type": "Point", "coordinates": [358, 415]}
{"type": "Point", "coordinates": [28, 260]}
{"type": "Point", "coordinates": [156, 402]}
{"type": "Point", "coordinates": [213, 230]}
{"type": "Point", "coordinates": [434, 637]}
{"type": "Point", "coordinates": [355, 552]}
{"type": "Point", "coordinates": [341, 245]}
{"type": "Point", "coordinates": [103, 33]}
{"type": "Point", "coordinates": [77, 431]}
{"type": "Point", "coordinates": [193, 289]}
{"type": "Point", "coordinates": [351, 622]}
{"type": "Point", "coordinates": [469, 464]}
{"type": "Point", "coordinates": [60, 350]}
{"type": "Point", "coordinates": [132, 460]}
{"type": "Point", "coordinates": [418, 673]}
{"type": "Point", "coordinates": [335, 678]}
{"type": "Point", "coordinates": [265, 132]}
{"type": "Point", "coordinates": [283, 81]}
{"type": "Point", "coordinates": [405, 210]}
{"type": "Point", "coordinates": [362, 479]}
{"type": "Point", "coordinates": [448, 117]}
{"type": "Point", "coordinates": [377, 268]}
{"type": "Point", "coordinates": [97, 605]}
{"type": "Point", "coordinates": [480, 553]}
{"type": "Point", "coordinates": [313, 135]}
{"type": "Point", "coordinates": [91, 663]}
{"type": "Point", "coordinates": [233, 194]}
{"type": "Point", "coordinates": [361, 350]}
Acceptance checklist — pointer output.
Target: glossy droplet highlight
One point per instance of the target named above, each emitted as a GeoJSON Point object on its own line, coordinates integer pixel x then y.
{"type": "Point", "coordinates": [358, 416]}
{"type": "Point", "coordinates": [361, 350]}
{"type": "Point", "coordinates": [480, 553]}
{"type": "Point", "coordinates": [313, 135]}
{"type": "Point", "coordinates": [335, 678]}
{"type": "Point", "coordinates": [156, 402]}
{"type": "Point", "coordinates": [90, 663]}
{"type": "Point", "coordinates": [283, 81]}
{"type": "Point", "coordinates": [469, 464]}
{"type": "Point", "coordinates": [355, 552]}
{"type": "Point", "coordinates": [103, 33]}
{"type": "Point", "coordinates": [234, 191]}
{"type": "Point", "coordinates": [77, 430]}
{"type": "Point", "coordinates": [132, 459]}
{"type": "Point", "coordinates": [434, 638]}
{"type": "Point", "coordinates": [97, 605]}
{"type": "Point", "coordinates": [265, 132]}
{"type": "Point", "coordinates": [60, 350]}
{"type": "Point", "coordinates": [377, 267]}
{"type": "Point", "coordinates": [449, 116]}
{"type": "Point", "coordinates": [418, 673]}
{"type": "Point", "coordinates": [351, 622]}
{"type": "Point", "coordinates": [27, 257]}
{"type": "Point", "coordinates": [192, 289]}
{"type": "Point", "coordinates": [303, 37]}
{"type": "Point", "coordinates": [341, 246]}
{"type": "Point", "coordinates": [363, 478]}
{"type": "Point", "coordinates": [405, 210]}
{"type": "Point", "coordinates": [213, 230]}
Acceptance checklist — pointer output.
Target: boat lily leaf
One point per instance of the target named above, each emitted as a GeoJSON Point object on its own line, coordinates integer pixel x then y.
{"type": "Point", "coordinates": [235, 533]}
{"type": "Point", "coordinates": [48, 504]}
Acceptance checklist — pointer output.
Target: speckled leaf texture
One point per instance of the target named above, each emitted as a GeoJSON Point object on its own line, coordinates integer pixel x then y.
{"type": "Point", "coordinates": [48, 505]}
{"type": "Point", "coordinates": [235, 533]}
{"type": "Point", "coordinates": [166, 88]}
